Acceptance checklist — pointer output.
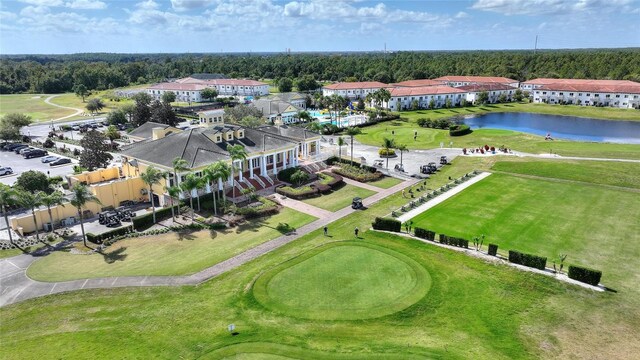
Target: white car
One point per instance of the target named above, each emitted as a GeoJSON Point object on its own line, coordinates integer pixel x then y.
{"type": "Point", "coordinates": [5, 171]}
{"type": "Point", "coordinates": [50, 158]}
{"type": "Point", "coordinates": [21, 152]}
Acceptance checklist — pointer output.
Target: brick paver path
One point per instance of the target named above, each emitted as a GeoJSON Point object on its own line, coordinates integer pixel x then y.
{"type": "Point", "coordinates": [15, 286]}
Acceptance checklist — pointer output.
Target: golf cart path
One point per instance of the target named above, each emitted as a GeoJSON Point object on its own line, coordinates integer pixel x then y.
{"type": "Point", "coordinates": [16, 286]}
{"type": "Point", "coordinates": [77, 111]}
{"type": "Point", "coordinates": [441, 198]}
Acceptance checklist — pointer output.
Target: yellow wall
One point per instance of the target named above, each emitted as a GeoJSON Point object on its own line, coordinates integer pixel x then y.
{"type": "Point", "coordinates": [24, 224]}
{"type": "Point", "coordinates": [93, 177]}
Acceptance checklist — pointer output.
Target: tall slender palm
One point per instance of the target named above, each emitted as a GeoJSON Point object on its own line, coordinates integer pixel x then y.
{"type": "Point", "coordinates": [174, 193]}
{"type": "Point", "coordinates": [7, 198]}
{"type": "Point", "coordinates": [388, 144]}
{"type": "Point", "coordinates": [56, 198]}
{"type": "Point", "coordinates": [31, 201]}
{"type": "Point", "coordinates": [211, 177]}
{"type": "Point", "coordinates": [341, 143]}
{"type": "Point", "coordinates": [152, 176]}
{"type": "Point", "coordinates": [80, 196]}
{"type": "Point", "coordinates": [179, 165]}
{"type": "Point", "coordinates": [223, 169]}
{"type": "Point", "coordinates": [188, 185]}
{"type": "Point", "coordinates": [238, 152]}
{"type": "Point", "coordinates": [402, 148]}
{"type": "Point", "coordinates": [353, 131]}
{"type": "Point", "coordinates": [202, 183]}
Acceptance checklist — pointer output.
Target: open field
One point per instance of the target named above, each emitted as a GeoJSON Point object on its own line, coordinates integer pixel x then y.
{"type": "Point", "coordinates": [166, 254]}
{"type": "Point", "coordinates": [32, 105]}
{"type": "Point", "coordinates": [339, 198]}
{"type": "Point", "coordinates": [596, 226]}
{"type": "Point", "coordinates": [473, 309]}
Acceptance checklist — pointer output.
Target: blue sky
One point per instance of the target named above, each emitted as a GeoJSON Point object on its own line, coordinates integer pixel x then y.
{"type": "Point", "coordinates": [70, 26]}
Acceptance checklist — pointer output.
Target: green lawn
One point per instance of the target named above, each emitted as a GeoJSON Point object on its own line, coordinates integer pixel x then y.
{"type": "Point", "coordinates": [596, 226]}
{"type": "Point", "coordinates": [385, 182]}
{"type": "Point", "coordinates": [340, 198]}
{"type": "Point", "coordinates": [32, 105]}
{"type": "Point", "coordinates": [167, 254]}
{"type": "Point", "coordinates": [473, 310]}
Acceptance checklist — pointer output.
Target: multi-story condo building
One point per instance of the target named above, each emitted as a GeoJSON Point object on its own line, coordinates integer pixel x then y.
{"type": "Point", "coordinates": [456, 81]}
{"type": "Point", "coordinates": [612, 93]}
{"type": "Point", "coordinates": [402, 98]}
{"type": "Point", "coordinates": [353, 90]}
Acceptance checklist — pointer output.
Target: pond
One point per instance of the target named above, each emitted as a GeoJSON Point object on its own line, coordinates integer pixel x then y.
{"type": "Point", "coordinates": [561, 127]}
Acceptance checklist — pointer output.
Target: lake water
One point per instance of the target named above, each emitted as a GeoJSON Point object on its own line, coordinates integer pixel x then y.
{"type": "Point", "coordinates": [561, 127]}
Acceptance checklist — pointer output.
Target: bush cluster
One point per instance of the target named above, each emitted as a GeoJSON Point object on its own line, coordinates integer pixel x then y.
{"type": "Point", "coordinates": [387, 224]}
{"type": "Point", "coordinates": [357, 173]}
{"type": "Point", "coordinates": [146, 220]}
{"type": "Point", "coordinates": [285, 175]}
{"type": "Point", "coordinates": [425, 234]}
{"type": "Point", "coordinates": [98, 239]}
{"type": "Point", "coordinates": [386, 152]}
{"type": "Point", "coordinates": [454, 241]}
{"type": "Point", "coordinates": [267, 208]}
{"type": "Point", "coordinates": [534, 261]}
{"type": "Point", "coordinates": [435, 124]}
{"type": "Point", "coordinates": [459, 130]}
{"type": "Point", "coordinates": [326, 183]}
{"type": "Point", "coordinates": [493, 249]}
{"type": "Point", "coordinates": [334, 159]}
{"type": "Point", "coordinates": [585, 275]}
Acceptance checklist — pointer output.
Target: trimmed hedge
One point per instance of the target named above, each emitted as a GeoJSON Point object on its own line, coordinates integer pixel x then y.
{"type": "Point", "coordinates": [267, 208]}
{"type": "Point", "coordinates": [425, 234]}
{"type": "Point", "coordinates": [146, 220]}
{"type": "Point", "coordinates": [453, 241]}
{"type": "Point", "coordinates": [534, 261]}
{"type": "Point", "coordinates": [334, 159]}
{"type": "Point", "coordinates": [285, 175]}
{"type": "Point", "coordinates": [585, 275]}
{"type": "Point", "coordinates": [459, 130]}
{"type": "Point", "coordinates": [386, 152]}
{"type": "Point", "coordinates": [297, 194]}
{"type": "Point", "coordinates": [387, 224]}
{"type": "Point", "coordinates": [493, 249]}
{"type": "Point", "coordinates": [98, 239]}
{"type": "Point", "coordinates": [358, 174]}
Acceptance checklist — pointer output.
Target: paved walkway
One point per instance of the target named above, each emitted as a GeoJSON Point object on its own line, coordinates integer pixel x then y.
{"type": "Point", "coordinates": [15, 286]}
{"type": "Point", "coordinates": [78, 111]}
{"type": "Point", "coordinates": [442, 197]}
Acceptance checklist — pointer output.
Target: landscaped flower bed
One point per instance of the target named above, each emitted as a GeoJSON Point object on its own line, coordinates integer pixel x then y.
{"type": "Point", "coordinates": [356, 173]}
{"type": "Point", "coordinates": [326, 183]}
{"type": "Point", "coordinates": [266, 208]}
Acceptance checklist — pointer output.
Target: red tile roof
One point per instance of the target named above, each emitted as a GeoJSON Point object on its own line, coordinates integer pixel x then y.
{"type": "Point", "coordinates": [477, 79]}
{"type": "Point", "coordinates": [418, 83]}
{"type": "Point", "coordinates": [424, 90]}
{"type": "Point", "coordinates": [485, 87]}
{"type": "Point", "coordinates": [589, 87]}
{"type": "Point", "coordinates": [546, 81]}
{"type": "Point", "coordinates": [356, 85]}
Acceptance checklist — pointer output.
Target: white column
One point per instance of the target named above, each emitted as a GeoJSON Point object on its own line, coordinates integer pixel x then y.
{"type": "Point", "coordinates": [275, 164]}
{"type": "Point", "coordinates": [284, 159]}
{"type": "Point", "coordinates": [241, 167]}
{"type": "Point", "coordinates": [317, 147]}
{"type": "Point", "coordinates": [263, 165]}
{"type": "Point", "coordinates": [295, 155]}
{"type": "Point", "coordinates": [230, 180]}
{"type": "Point", "coordinates": [251, 168]}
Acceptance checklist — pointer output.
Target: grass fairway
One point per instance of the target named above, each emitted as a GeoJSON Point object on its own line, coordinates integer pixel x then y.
{"type": "Point", "coordinates": [166, 254]}
{"type": "Point", "coordinates": [596, 226]}
{"type": "Point", "coordinates": [318, 285]}
{"type": "Point", "coordinates": [340, 198]}
{"type": "Point", "coordinates": [385, 182]}
{"type": "Point", "coordinates": [32, 105]}
{"type": "Point", "coordinates": [473, 310]}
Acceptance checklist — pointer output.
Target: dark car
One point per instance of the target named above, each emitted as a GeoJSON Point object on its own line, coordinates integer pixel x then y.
{"type": "Point", "coordinates": [10, 147]}
{"type": "Point", "coordinates": [19, 147]}
{"type": "Point", "coordinates": [35, 154]}
{"type": "Point", "coordinates": [60, 162]}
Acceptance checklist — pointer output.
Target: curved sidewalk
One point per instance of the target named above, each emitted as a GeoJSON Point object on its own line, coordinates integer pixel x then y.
{"type": "Point", "coordinates": [78, 111]}
{"type": "Point", "coordinates": [16, 286]}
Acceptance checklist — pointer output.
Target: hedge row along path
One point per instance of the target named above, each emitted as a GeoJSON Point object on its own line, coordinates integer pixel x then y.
{"type": "Point", "coordinates": [441, 198]}
{"type": "Point", "coordinates": [16, 286]}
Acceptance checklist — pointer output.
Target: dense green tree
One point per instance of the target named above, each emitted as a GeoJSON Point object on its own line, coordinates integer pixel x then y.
{"type": "Point", "coordinates": [81, 91]}
{"type": "Point", "coordinates": [168, 97]}
{"type": "Point", "coordinates": [482, 97]}
{"type": "Point", "coordinates": [163, 113]}
{"type": "Point", "coordinates": [285, 84]}
{"type": "Point", "coordinates": [116, 117]}
{"type": "Point", "coordinates": [96, 151]}
{"type": "Point", "coordinates": [209, 93]}
{"type": "Point", "coordinates": [307, 83]}
{"type": "Point", "coordinates": [251, 121]}
{"type": "Point", "coordinates": [33, 181]}
{"type": "Point", "coordinates": [11, 124]}
{"type": "Point", "coordinates": [239, 112]}
{"type": "Point", "coordinates": [94, 105]}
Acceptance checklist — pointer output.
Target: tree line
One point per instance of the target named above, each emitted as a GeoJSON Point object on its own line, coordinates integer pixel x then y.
{"type": "Point", "coordinates": [61, 73]}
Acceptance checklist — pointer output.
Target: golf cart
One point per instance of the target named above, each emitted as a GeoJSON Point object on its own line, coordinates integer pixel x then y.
{"type": "Point", "coordinates": [356, 203]}
{"type": "Point", "coordinates": [430, 168]}
{"type": "Point", "coordinates": [399, 168]}
{"type": "Point", "coordinates": [443, 160]}
{"type": "Point", "coordinates": [378, 163]}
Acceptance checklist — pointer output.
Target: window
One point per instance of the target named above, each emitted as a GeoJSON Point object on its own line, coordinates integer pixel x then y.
{"type": "Point", "coordinates": [607, 96]}
{"type": "Point", "coordinates": [570, 94]}
{"type": "Point", "coordinates": [617, 96]}
{"type": "Point", "coordinates": [588, 94]}
{"type": "Point", "coordinates": [544, 93]}
{"type": "Point", "coordinates": [561, 94]}
{"type": "Point", "coordinates": [596, 95]}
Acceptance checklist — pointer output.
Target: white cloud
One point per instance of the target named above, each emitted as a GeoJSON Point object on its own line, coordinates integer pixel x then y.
{"type": "Point", "coordinates": [539, 7]}
{"type": "Point", "coordinates": [43, 2]}
{"type": "Point", "coordinates": [34, 11]}
{"type": "Point", "coordinates": [147, 5]}
{"type": "Point", "coordinates": [186, 5]}
{"type": "Point", "coordinates": [461, 15]}
{"type": "Point", "coordinates": [6, 15]}
{"type": "Point", "coordinates": [86, 5]}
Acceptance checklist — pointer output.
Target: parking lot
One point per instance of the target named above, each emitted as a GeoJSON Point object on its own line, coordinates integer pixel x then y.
{"type": "Point", "coordinates": [20, 165]}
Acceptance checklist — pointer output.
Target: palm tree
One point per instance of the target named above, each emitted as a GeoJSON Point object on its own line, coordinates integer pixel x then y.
{"type": "Point", "coordinates": [238, 152]}
{"type": "Point", "coordinates": [56, 198]}
{"type": "Point", "coordinates": [179, 165]}
{"type": "Point", "coordinates": [112, 133]}
{"type": "Point", "coordinates": [174, 193]}
{"type": "Point", "coordinates": [316, 127]}
{"type": "Point", "coordinates": [223, 169]}
{"type": "Point", "coordinates": [7, 198]}
{"type": "Point", "coordinates": [152, 176]}
{"type": "Point", "coordinates": [188, 185]}
{"type": "Point", "coordinates": [202, 183]}
{"type": "Point", "coordinates": [341, 143]}
{"type": "Point", "coordinates": [31, 201]}
{"type": "Point", "coordinates": [353, 131]}
{"type": "Point", "coordinates": [211, 177]}
{"type": "Point", "coordinates": [388, 144]}
{"type": "Point", "coordinates": [402, 148]}
{"type": "Point", "coordinates": [80, 196]}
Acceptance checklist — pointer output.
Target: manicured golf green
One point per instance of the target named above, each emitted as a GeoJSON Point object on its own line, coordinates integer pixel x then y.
{"type": "Point", "coordinates": [337, 282]}
{"type": "Point", "coordinates": [167, 254]}
{"type": "Point", "coordinates": [339, 198]}
{"type": "Point", "coordinates": [590, 223]}
{"type": "Point", "coordinates": [270, 351]}
{"type": "Point", "coordinates": [385, 182]}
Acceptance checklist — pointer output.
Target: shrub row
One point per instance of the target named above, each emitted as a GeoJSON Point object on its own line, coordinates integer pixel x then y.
{"type": "Point", "coordinates": [358, 174]}
{"type": "Point", "coordinates": [386, 152]}
{"type": "Point", "coordinates": [146, 220]}
{"type": "Point", "coordinates": [436, 124]}
{"type": "Point", "coordinates": [425, 234]}
{"type": "Point", "coordinates": [387, 224]}
{"type": "Point", "coordinates": [334, 159]}
{"type": "Point", "coordinates": [285, 175]}
{"type": "Point", "coordinates": [585, 275]}
{"type": "Point", "coordinates": [459, 130]}
{"type": "Point", "coordinates": [98, 239]}
{"type": "Point", "coordinates": [534, 261]}
{"type": "Point", "coordinates": [299, 193]}
{"type": "Point", "coordinates": [453, 241]}
{"type": "Point", "coordinates": [267, 208]}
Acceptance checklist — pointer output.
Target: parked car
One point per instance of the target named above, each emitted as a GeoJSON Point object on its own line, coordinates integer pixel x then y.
{"type": "Point", "coordinates": [35, 154]}
{"type": "Point", "coordinates": [50, 158]}
{"type": "Point", "coordinates": [5, 171]}
{"type": "Point", "coordinates": [19, 147]}
{"type": "Point", "coordinates": [75, 128]}
{"type": "Point", "coordinates": [25, 150]}
{"type": "Point", "coordinates": [10, 147]}
{"type": "Point", "coordinates": [61, 161]}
